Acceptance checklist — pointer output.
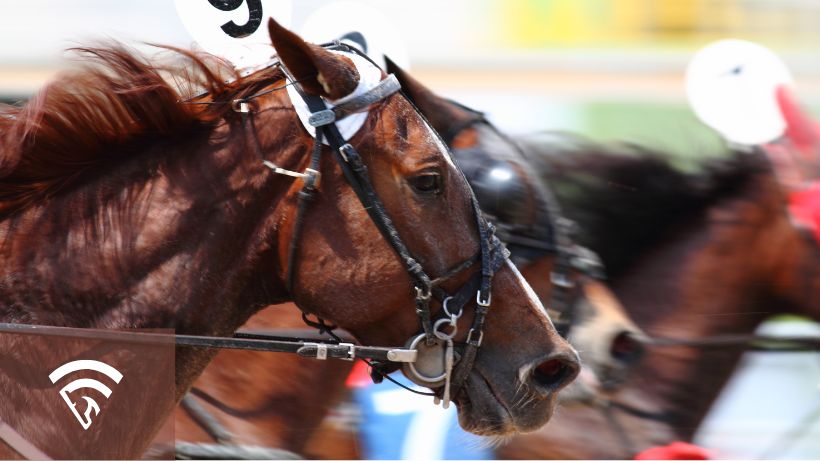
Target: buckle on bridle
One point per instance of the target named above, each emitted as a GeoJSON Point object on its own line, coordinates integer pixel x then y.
{"type": "Point", "coordinates": [321, 350]}
{"type": "Point", "coordinates": [561, 280]}
{"type": "Point", "coordinates": [483, 303]}
{"type": "Point", "coordinates": [311, 178]}
{"type": "Point", "coordinates": [343, 149]}
{"type": "Point", "coordinates": [351, 351]}
{"type": "Point", "coordinates": [241, 106]}
{"type": "Point", "coordinates": [423, 295]}
{"type": "Point", "coordinates": [472, 342]}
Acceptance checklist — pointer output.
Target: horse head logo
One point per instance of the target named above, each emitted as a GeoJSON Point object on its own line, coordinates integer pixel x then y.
{"type": "Point", "coordinates": [91, 404]}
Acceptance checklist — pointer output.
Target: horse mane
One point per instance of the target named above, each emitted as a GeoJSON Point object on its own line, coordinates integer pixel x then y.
{"type": "Point", "coordinates": [626, 197]}
{"type": "Point", "coordinates": [90, 119]}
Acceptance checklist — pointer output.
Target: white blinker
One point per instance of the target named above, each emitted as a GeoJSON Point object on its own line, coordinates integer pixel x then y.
{"type": "Point", "coordinates": [369, 77]}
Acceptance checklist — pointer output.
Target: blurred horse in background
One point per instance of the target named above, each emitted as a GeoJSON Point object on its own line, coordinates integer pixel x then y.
{"type": "Point", "coordinates": [699, 260]}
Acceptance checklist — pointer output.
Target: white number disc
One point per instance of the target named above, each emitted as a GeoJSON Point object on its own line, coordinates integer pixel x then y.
{"type": "Point", "coordinates": [731, 85]}
{"type": "Point", "coordinates": [236, 30]}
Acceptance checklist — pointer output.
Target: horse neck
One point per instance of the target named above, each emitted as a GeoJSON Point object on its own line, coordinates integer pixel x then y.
{"type": "Point", "coordinates": [708, 281]}
{"type": "Point", "coordinates": [171, 238]}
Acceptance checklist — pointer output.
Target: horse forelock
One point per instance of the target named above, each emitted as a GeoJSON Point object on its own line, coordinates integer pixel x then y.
{"type": "Point", "coordinates": [89, 120]}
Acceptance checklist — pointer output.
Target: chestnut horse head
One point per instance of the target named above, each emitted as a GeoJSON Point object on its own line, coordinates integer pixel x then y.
{"type": "Point", "coordinates": [172, 213]}
{"type": "Point", "coordinates": [565, 276]}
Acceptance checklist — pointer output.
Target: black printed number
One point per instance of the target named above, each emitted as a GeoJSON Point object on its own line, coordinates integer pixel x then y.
{"type": "Point", "coordinates": [254, 18]}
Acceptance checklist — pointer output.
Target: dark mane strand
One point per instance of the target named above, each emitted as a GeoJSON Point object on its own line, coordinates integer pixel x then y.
{"type": "Point", "coordinates": [84, 121]}
{"type": "Point", "coordinates": [626, 197]}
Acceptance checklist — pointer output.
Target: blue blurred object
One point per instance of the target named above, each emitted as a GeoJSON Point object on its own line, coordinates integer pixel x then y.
{"type": "Point", "coordinates": [397, 424]}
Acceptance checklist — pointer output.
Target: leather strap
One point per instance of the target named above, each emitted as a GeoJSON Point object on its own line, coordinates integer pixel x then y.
{"type": "Point", "coordinates": [384, 89]}
{"type": "Point", "coordinates": [17, 443]}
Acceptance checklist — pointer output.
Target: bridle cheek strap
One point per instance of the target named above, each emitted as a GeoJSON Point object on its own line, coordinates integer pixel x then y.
{"type": "Point", "coordinates": [355, 173]}
{"type": "Point", "coordinates": [475, 336]}
{"type": "Point", "coordinates": [492, 252]}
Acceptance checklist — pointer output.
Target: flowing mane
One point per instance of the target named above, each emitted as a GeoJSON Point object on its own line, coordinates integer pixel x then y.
{"type": "Point", "coordinates": [625, 197]}
{"type": "Point", "coordinates": [88, 120]}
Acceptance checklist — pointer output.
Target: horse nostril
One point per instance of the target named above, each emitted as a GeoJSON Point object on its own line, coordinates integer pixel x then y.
{"type": "Point", "coordinates": [555, 373]}
{"type": "Point", "coordinates": [626, 348]}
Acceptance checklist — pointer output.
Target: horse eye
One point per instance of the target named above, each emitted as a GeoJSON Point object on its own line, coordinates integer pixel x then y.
{"type": "Point", "coordinates": [426, 183]}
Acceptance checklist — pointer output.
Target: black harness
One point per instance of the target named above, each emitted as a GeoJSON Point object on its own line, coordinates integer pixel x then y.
{"type": "Point", "coordinates": [550, 234]}
{"type": "Point", "coordinates": [491, 255]}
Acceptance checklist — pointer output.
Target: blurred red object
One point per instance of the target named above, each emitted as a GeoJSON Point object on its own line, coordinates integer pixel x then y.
{"type": "Point", "coordinates": [675, 450]}
{"type": "Point", "coordinates": [804, 206]}
{"type": "Point", "coordinates": [359, 376]}
{"type": "Point", "coordinates": [801, 129]}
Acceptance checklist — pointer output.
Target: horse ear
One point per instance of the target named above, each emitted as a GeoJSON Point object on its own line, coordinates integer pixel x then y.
{"type": "Point", "coordinates": [409, 86]}
{"type": "Point", "coordinates": [319, 71]}
{"type": "Point", "coordinates": [441, 113]}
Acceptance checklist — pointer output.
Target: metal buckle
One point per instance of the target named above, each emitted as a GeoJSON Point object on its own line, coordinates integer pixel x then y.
{"type": "Point", "coordinates": [240, 105]}
{"type": "Point", "coordinates": [351, 351]}
{"type": "Point", "coordinates": [561, 280]}
{"type": "Point", "coordinates": [343, 149]}
{"type": "Point", "coordinates": [321, 118]}
{"type": "Point", "coordinates": [424, 296]}
{"type": "Point", "coordinates": [311, 177]}
{"type": "Point", "coordinates": [321, 350]}
{"type": "Point", "coordinates": [470, 338]}
{"type": "Point", "coordinates": [484, 303]}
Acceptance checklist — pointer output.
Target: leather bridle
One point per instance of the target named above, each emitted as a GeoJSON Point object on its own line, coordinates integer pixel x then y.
{"type": "Point", "coordinates": [491, 255]}
{"type": "Point", "coordinates": [551, 236]}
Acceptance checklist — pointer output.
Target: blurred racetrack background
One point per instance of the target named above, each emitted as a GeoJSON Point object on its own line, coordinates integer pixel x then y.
{"type": "Point", "coordinates": [610, 70]}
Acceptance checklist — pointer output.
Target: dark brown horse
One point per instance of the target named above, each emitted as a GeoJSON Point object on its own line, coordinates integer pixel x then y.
{"type": "Point", "coordinates": [168, 218]}
{"type": "Point", "coordinates": [693, 257]}
{"type": "Point", "coordinates": [279, 405]}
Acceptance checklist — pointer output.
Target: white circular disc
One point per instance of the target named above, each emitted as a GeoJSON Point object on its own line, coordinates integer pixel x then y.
{"type": "Point", "coordinates": [338, 19]}
{"type": "Point", "coordinates": [239, 35]}
{"type": "Point", "coordinates": [731, 85]}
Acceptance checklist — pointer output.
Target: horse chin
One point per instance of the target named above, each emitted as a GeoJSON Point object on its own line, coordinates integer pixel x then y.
{"type": "Point", "coordinates": [484, 411]}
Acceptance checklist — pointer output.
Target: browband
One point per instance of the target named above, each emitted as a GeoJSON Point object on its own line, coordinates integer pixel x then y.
{"type": "Point", "coordinates": [385, 88]}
